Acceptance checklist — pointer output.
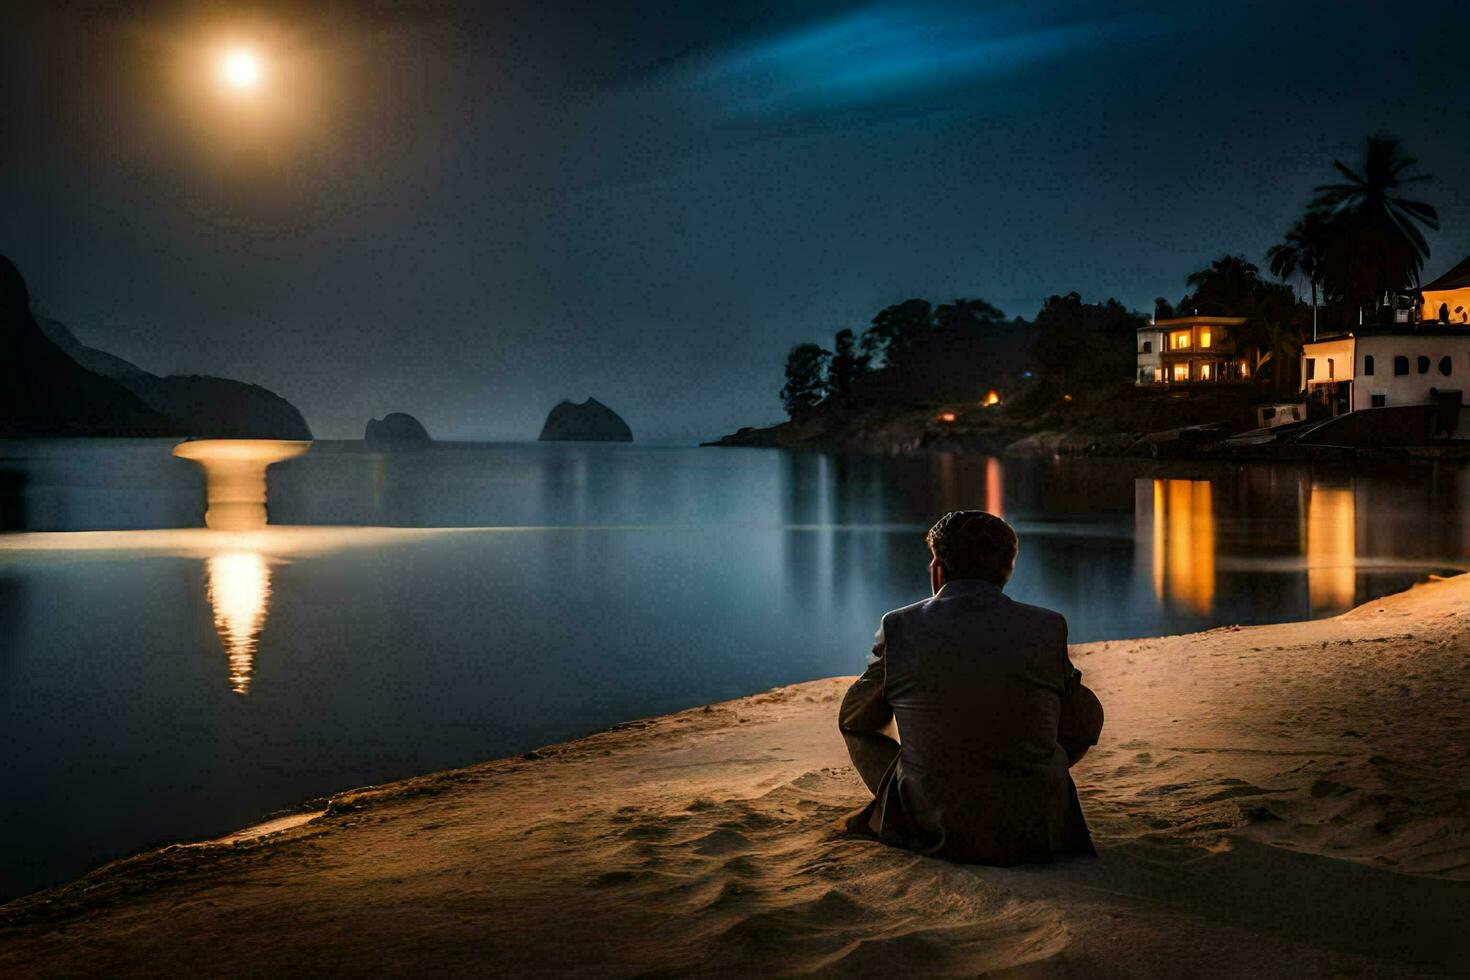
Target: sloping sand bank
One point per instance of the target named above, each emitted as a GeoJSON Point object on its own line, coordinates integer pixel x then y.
{"type": "Point", "coordinates": [1279, 801]}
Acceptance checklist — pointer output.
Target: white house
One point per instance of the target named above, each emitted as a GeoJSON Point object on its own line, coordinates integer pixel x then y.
{"type": "Point", "coordinates": [1376, 367]}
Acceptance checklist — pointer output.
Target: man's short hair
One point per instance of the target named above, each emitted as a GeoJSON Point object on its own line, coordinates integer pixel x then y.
{"type": "Point", "coordinates": [974, 544]}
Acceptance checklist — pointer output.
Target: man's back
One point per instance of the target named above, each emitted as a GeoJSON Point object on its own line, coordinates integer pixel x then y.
{"type": "Point", "coordinates": [976, 682]}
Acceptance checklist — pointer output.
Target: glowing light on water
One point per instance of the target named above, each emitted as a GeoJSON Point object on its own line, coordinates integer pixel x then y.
{"type": "Point", "coordinates": [994, 487]}
{"type": "Point", "coordinates": [1184, 544]}
{"type": "Point", "coordinates": [238, 583]}
{"type": "Point", "coordinates": [239, 589]}
{"type": "Point", "coordinates": [1331, 549]}
{"type": "Point", "coordinates": [234, 477]}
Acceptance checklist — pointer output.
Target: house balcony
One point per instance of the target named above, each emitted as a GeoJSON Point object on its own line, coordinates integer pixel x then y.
{"type": "Point", "coordinates": [1196, 369]}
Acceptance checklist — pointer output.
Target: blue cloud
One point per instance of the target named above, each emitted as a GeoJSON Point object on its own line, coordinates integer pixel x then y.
{"type": "Point", "coordinates": [885, 53]}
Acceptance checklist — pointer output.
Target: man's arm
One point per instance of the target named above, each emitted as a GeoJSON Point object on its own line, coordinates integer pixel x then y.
{"type": "Point", "coordinates": [1081, 720]}
{"type": "Point", "coordinates": [864, 714]}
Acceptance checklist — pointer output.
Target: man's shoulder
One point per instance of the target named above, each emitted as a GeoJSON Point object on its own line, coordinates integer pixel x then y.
{"type": "Point", "coordinates": [903, 612]}
{"type": "Point", "coordinates": [1035, 617]}
{"type": "Point", "coordinates": [1040, 614]}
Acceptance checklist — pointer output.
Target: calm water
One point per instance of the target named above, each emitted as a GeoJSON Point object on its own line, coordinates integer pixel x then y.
{"type": "Point", "coordinates": [159, 684]}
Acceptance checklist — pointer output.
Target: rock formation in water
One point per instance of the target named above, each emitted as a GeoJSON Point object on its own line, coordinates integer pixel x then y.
{"type": "Point", "coordinates": [591, 421]}
{"type": "Point", "coordinates": [396, 427]}
{"type": "Point", "coordinates": [201, 406]}
{"type": "Point", "coordinates": [43, 392]}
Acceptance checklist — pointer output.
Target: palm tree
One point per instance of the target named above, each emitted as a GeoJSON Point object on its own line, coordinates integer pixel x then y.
{"type": "Point", "coordinates": [1302, 252]}
{"type": "Point", "coordinates": [1226, 287]}
{"type": "Point", "coordinates": [1377, 244]}
{"type": "Point", "coordinates": [1233, 286]}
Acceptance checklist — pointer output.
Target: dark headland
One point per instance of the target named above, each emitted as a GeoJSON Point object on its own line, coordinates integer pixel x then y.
{"type": "Point", "coordinates": [51, 384]}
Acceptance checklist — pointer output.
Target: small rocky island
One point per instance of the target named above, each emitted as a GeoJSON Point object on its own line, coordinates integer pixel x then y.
{"type": "Point", "coordinates": [591, 421]}
{"type": "Point", "coordinates": [396, 427]}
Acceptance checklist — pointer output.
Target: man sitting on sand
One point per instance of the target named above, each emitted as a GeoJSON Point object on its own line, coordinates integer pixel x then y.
{"type": "Point", "coordinates": [990, 711]}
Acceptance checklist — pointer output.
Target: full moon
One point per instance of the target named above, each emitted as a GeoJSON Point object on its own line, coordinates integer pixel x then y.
{"type": "Point", "coordinates": [241, 69]}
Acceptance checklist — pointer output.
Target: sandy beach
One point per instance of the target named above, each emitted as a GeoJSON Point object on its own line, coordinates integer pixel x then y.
{"type": "Point", "coordinates": [1262, 802]}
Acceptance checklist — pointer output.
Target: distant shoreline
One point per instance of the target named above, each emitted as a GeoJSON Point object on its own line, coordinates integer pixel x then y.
{"type": "Point", "coordinates": [920, 432]}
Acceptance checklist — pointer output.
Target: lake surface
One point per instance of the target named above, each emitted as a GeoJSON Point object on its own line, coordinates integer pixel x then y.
{"type": "Point", "coordinates": [161, 680]}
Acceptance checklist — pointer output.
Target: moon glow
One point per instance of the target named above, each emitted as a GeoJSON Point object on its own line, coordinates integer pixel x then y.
{"type": "Point", "coordinates": [241, 69]}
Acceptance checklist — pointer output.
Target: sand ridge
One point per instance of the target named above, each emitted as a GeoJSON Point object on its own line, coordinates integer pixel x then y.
{"type": "Point", "coordinates": [1279, 801]}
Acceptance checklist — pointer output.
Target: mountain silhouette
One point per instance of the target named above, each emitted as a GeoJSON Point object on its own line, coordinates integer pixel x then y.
{"type": "Point", "coordinates": [82, 395]}
{"type": "Point", "coordinates": [43, 392]}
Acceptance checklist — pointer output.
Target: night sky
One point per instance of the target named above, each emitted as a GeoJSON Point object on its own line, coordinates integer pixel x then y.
{"type": "Point", "coordinates": [470, 213]}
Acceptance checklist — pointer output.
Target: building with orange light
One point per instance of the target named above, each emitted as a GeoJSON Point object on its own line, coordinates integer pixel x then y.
{"type": "Point", "coordinates": [1189, 351]}
{"type": "Point", "coordinates": [1413, 349]}
{"type": "Point", "coordinates": [1447, 299]}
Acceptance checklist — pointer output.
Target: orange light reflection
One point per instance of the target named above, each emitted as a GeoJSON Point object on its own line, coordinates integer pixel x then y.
{"type": "Point", "coordinates": [239, 589]}
{"type": "Point", "coordinates": [994, 487]}
{"type": "Point", "coordinates": [1184, 544]}
{"type": "Point", "coordinates": [1331, 549]}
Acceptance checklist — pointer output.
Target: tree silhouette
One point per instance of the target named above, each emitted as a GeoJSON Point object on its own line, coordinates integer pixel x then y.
{"type": "Point", "coordinates": [806, 382]}
{"type": "Point", "coordinates": [1076, 340]}
{"type": "Point", "coordinates": [1226, 288]}
{"type": "Point", "coordinates": [847, 365]}
{"type": "Point", "coordinates": [1302, 252]}
{"type": "Point", "coordinates": [896, 331]}
{"type": "Point", "coordinates": [1232, 286]}
{"type": "Point", "coordinates": [1376, 244]}
{"type": "Point", "coordinates": [966, 313]}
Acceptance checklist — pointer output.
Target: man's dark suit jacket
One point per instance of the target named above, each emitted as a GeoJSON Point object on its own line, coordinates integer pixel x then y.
{"type": "Point", "coordinates": [977, 683]}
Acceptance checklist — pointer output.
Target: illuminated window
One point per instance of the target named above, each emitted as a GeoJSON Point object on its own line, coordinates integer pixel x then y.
{"type": "Point", "coordinates": [1181, 372]}
{"type": "Point", "coordinates": [1206, 372]}
{"type": "Point", "coordinates": [1158, 374]}
{"type": "Point", "coordinates": [1245, 369]}
{"type": "Point", "coordinates": [1179, 340]}
{"type": "Point", "coordinates": [1204, 337]}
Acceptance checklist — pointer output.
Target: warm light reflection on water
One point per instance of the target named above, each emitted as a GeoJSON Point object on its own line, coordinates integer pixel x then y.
{"type": "Point", "coordinates": [238, 583]}
{"type": "Point", "coordinates": [239, 588]}
{"type": "Point", "coordinates": [234, 477]}
{"type": "Point", "coordinates": [994, 487]}
{"type": "Point", "coordinates": [1331, 548]}
{"type": "Point", "coordinates": [1183, 546]}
